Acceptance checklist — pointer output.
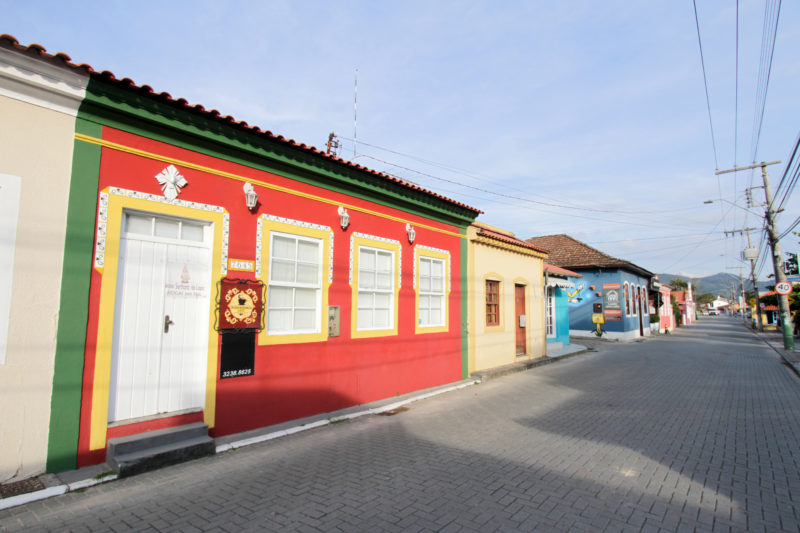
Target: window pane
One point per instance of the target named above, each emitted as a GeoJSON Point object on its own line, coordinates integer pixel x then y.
{"type": "Point", "coordinates": [381, 318]}
{"type": "Point", "coordinates": [424, 267]}
{"type": "Point", "coordinates": [282, 270]}
{"type": "Point", "coordinates": [191, 232]}
{"type": "Point", "coordinates": [424, 302]}
{"type": "Point", "coordinates": [305, 298]}
{"type": "Point", "coordinates": [366, 260]}
{"type": "Point", "coordinates": [307, 273]}
{"type": "Point", "coordinates": [304, 319]}
{"type": "Point", "coordinates": [365, 300]}
{"type": "Point", "coordinates": [382, 301]}
{"type": "Point", "coordinates": [436, 302]}
{"type": "Point", "coordinates": [364, 319]}
{"type": "Point", "coordinates": [279, 320]}
{"type": "Point", "coordinates": [283, 247]}
{"type": "Point", "coordinates": [366, 280]}
{"type": "Point", "coordinates": [308, 251]}
{"type": "Point", "coordinates": [424, 317]}
{"type": "Point", "coordinates": [384, 281]}
{"type": "Point", "coordinates": [424, 284]}
{"type": "Point", "coordinates": [280, 297]}
{"type": "Point", "coordinates": [384, 262]}
{"type": "Point", "coordinates": [139, 224]}
{"type": "Point", "coordinates": [437, 285]}
{"type": "Point", "coordinates": [436, 316]}
{"type": "Point", "coordinates": [166, 228]}
{"type": "Point", "coordinates": [437, 269]}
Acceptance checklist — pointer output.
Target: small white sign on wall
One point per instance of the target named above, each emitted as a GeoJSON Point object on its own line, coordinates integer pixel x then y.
{"type": "Point", "coordinates": [10, 187]}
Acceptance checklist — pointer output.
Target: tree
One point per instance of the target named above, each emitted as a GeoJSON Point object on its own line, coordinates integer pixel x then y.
{"type": "Point", "coordinates": [679, 284]}
{"type": "Point", "coordinates": [705, 298]}
{"type": "Point", "coordinates": [676, 310]}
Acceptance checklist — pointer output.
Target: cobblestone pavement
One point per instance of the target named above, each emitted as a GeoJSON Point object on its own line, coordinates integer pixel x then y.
{"type": "Point", "coordinates": [696, 431]}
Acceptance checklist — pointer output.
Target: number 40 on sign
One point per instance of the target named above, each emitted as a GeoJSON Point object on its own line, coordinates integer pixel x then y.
{"type": "Point", "coordinates": [783, 288]}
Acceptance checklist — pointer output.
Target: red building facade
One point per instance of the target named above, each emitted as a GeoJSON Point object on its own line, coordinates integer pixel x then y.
{"type": "Point", "coordinates": [363, 295]}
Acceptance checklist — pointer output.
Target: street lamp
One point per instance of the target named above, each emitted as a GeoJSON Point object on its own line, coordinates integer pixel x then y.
{"type": "Point", "coordinates": [734, 205]}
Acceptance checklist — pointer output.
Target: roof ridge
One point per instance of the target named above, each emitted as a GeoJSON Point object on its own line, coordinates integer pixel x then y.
{"type": "Point", "coordinates": [61, 59]}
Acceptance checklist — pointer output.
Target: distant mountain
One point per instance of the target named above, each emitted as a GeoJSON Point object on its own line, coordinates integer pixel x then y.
{"type": "Point", "coordinates": [717, 284]}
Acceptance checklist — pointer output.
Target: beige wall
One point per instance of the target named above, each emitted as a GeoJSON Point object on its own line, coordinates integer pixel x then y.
{"type": "Point", "coordinates": [36, 145]}
{"type": "Point", "coordinates": [491, 347]}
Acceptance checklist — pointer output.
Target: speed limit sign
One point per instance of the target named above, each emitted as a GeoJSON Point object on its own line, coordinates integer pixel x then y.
{"type": "Point", "coordinates": [783, 288]}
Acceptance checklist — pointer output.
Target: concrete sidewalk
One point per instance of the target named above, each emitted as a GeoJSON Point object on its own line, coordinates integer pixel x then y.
{"type": "Point", "coordinates": [775, 340]}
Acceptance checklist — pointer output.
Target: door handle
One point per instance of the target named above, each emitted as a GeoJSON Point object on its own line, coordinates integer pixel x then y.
{"type": "Point", "coordinates": [167, 323]}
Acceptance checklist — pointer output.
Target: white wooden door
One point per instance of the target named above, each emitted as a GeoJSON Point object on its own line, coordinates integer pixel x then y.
{"type": "Point", "coordinates": [161, 323]}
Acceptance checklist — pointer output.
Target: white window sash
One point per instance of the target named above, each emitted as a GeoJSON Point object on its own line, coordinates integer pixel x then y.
{"type": "Point", "coordinates": [293, 308]}
{"type": "Point", "coordinates": [430, 294]}
{"type": "Point", "coordinates": [374, 291]}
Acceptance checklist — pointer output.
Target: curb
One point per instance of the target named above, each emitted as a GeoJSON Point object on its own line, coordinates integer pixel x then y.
{"type": "Point", "coordinates": [795, 367]}
{"type": "Point", "coordinates": [53, 490]}
{"type": "Point", "coordinates": [513, 368]}
{"type": "Point", "coordinates": [340, 418]}
{"type": "Point", "coordinates": [75, 480]}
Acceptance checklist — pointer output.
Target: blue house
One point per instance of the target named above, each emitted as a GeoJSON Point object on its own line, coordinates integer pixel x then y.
{"type": "Point", "coordinates": [619, 286]}
{"type": "Point", "coordinates": [559, 285]}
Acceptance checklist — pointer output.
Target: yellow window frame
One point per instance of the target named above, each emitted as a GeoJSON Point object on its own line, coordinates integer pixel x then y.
{"type": "Point", "coordinates": [268, 224]}
{"type": "Point", "coordinates": [443, 255]}
{"type": "Point", "coordinates": [357, 240]}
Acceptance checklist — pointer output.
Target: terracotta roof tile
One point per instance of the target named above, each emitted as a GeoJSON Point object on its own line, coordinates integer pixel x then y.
{"type": "Point", "coordinates": [571, 253]}
{"type": "Point", "coordinates": [61, 59]}
{"type": "Point", "coordinates": [558, 271]}
{"type": "Point", "coordinates": [510, 240]}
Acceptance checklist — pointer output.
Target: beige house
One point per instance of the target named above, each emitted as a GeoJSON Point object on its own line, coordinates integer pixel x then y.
{"type": "Point", "coordinates": [39, 99]}
{"type": "Point", "coordinates": [506, 305]}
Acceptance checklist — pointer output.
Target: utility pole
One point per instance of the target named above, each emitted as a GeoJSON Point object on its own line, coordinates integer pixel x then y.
{"type": "Point", "coordinates": [757, 302]}
{"type": "Point", "coordinates": [743, 297]}
{"type": "Point", "coordinates": [774, 241]}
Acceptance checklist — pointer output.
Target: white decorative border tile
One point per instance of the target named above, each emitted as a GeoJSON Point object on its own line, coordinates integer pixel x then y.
{"type": "Point", "coordinates": [102, 220]}
{"type": "Point", "coordinates": [379, 239]}
{"type": "Point", "coordinates": [299, 223]}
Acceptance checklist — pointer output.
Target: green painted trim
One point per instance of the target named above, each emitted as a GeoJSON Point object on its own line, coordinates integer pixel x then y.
{"type": "Point", "coordinates": [464, 305]}
{"type": "Point", "coordinates": [141, 114]}
{"type": "Point", "coordinates": [65, 406]}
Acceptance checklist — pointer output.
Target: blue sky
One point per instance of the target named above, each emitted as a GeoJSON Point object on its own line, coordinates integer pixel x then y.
{"type": "Point", "coordinates": [516, 108]}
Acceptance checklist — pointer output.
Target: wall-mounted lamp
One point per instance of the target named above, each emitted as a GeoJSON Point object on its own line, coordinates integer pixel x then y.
{"type": "Point", "coordinates": [344, 217]}
{"type": "Point", "coordinates": [412, 234]}
{"type": "Point", "coordinates": [250, 196]}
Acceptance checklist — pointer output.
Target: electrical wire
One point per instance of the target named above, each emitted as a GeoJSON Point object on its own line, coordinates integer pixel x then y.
{"type": "Point", "coordinates": [714, 229]}
{"type": "Point", "coordinates": [486, 179]}
{"type": "Point", "coordinates": [785, 188]}
{"type": "Point", "coordinates": [705, 82]}
{"type": "Point", "coordinates": [736, 99]}
{"type": "Point", "coordinates": [768, 36]}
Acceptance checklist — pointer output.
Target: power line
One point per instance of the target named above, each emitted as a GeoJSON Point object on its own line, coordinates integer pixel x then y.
{"type": "Point", "coordinates": [705, 82]}
{"type": "Point", "coordinates": [714, 229]}
{"type": "Point", "coordinates": [486, 179]}
{"type": "Point", "coordinates": [650, 238]}
{"type": "Point", "coordinates": [768, 36]}
{"type": "Point", "coordinates": [736, 100]}
{"type": "Point", "coordinates": [528, 200]}
{"type": "Point", "coordinates": [792, 181]}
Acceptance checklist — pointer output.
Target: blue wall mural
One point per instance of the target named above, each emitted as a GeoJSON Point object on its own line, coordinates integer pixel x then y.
{"type": "Point", "coordinates": [589, 291]}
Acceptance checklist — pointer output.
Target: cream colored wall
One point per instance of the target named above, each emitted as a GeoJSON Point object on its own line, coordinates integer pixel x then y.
{"type": "Point", "coordinates": [36, 145]}
{"type": "Point", "coordinates": [496, 346]}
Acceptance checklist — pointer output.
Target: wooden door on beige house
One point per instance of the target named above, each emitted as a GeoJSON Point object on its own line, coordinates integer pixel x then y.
{"type": "Point", "coordinates": [520, 319]}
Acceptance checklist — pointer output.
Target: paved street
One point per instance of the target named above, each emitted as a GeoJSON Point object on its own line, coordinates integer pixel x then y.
{"type": "Point", "coordinates": [695, 431]}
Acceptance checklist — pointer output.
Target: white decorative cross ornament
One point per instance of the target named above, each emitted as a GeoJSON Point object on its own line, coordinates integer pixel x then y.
{"type": "Point", "coordinates": [171, 182]}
